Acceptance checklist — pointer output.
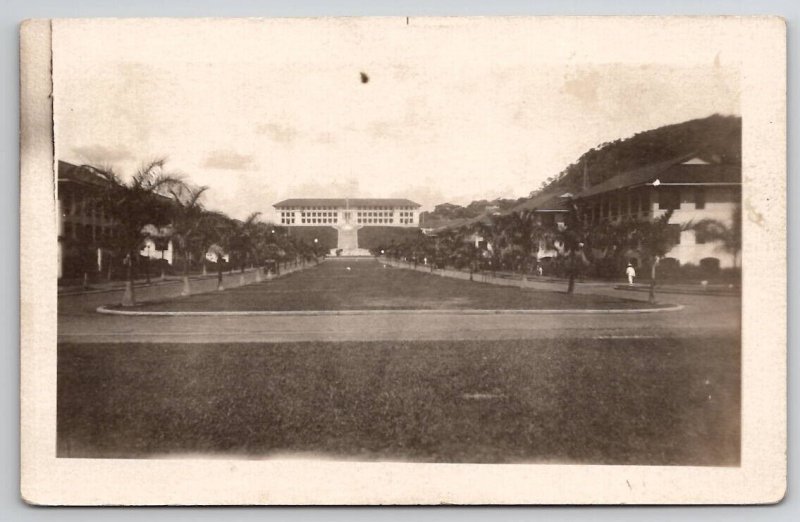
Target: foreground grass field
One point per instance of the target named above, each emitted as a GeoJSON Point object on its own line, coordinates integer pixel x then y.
{"type": "Point", "coordinates": [367, 284]}
{"type": "Point", "coordinates": [617, 401]}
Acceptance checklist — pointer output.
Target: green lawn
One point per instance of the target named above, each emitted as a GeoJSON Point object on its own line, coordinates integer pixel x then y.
{"type": "Point", "coordinates": [371, 285]}
{"type": "Point", "coordinates": [620, 401]}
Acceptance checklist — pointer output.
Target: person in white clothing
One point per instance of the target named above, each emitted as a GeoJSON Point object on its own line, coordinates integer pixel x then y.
{"type": "Point", "coordinates": [631, 273]}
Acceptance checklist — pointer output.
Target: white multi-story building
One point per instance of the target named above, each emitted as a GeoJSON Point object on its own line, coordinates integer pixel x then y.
{"type": "Point", "coordinates": [692, 188]}
{"type": "Point", "coordinates": [347, 216]}
{"type": "Point", "coordinates": [363, 212]}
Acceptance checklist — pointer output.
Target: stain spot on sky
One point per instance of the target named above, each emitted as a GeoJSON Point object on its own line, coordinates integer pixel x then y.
{"type": "Point", "coordinates": [364, 77]}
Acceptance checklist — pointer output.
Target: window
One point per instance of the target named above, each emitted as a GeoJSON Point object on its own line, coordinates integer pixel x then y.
{"type": "Point", "coordinates": [674, 232]}
{"type": "Point", "coordinates": [669, 199]}
{"type": "Point", "coordinates": [699, 199]}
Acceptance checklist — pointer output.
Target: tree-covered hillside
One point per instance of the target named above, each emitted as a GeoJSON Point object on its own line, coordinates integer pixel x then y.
{"type": "Point", "coordinates": [716, 139]}
{"type": "Point", "coordinates": [449, 212]}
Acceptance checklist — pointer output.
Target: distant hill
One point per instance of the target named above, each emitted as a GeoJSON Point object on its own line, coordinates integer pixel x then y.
{"type": "Point", "coordinates": [716, 139]}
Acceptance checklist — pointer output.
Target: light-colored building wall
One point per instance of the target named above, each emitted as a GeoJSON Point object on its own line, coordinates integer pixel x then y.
{"type": "Point", "coordinates": [150, 250]}
{"type": "Point", "coordinates": [695, 203]}
{"type": "Point", "coordinates": [720, 205]}
{"type": "Point", "coordinates": [387, 216]}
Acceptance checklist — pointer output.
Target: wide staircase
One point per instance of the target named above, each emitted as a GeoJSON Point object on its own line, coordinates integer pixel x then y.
{"type": "Point", "coordinates": [347, 243]}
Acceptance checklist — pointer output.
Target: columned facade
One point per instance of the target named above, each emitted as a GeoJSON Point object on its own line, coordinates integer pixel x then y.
{"type": "Point", "coordinates": [356, 211]}
{"type": "Point", "coordinates": [347, 216]}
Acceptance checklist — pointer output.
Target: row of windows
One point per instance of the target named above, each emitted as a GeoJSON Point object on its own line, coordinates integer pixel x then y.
{"type": "Point", "coordinates": [318, 214]}
{"type": "Point", "coordinates": [669, 198]}
{"type": "Point", "coordinates": [318, 220]}
{"type": "Point", "coordinates": [308, 209]}
{"type": "Point", "coordinates": [76, 207]}
{"type": "Point", "coordinates": [381, 208]}
{"type": "Point", "coordinates": [287, 220]}
{"type": "Point", "coordinates": [379, 221]}
{"type": "Point", "coordinates": [318, 209]}
{"type": "Point", "coordinates": [87, 232]}
{"type": "Point", "coordinates": [375, 214]}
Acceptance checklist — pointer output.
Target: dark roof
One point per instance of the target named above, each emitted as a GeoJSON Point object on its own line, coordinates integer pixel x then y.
{"type": "Point", "coordinates": [548, 202]}
{"type": "Point", "coordinates": [675, 172]}
{"type": "Point", "coordinates": [83, 175]}
{"type": "Point", "coordinates": [341, 202]}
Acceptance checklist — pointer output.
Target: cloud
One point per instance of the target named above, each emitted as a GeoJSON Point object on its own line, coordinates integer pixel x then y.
{"type": "Point", "coordinates": [102, 155]}
{"type": "Point", "coordinates": [277, 132]}
{"type": "Point", "coordinates": [334, 188]}
{"type": "Point", "coordinates": [229, 160]}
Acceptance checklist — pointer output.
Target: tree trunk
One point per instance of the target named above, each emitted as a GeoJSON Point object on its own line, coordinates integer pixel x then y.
{"type": "Point", "coordinates": [571, 285]}
{"type": "Point", "coordinates": [219, 274]}
{"type": "Point", "coordinates": [205, 270]}
{"type": "Point", "coordinates": [652, 295]}
{"type": "Point", "coordinates": [129, 297]}
{"type": "Point", "coordinates": [186, 287]}
{"type": "Point", "coordinates": [147, 269]}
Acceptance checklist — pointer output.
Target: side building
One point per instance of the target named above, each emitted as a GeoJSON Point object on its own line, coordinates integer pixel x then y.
{"type": "Point", "coordinates": [692, 188]}
{"type": "Point", "coordinates": [86, 233]}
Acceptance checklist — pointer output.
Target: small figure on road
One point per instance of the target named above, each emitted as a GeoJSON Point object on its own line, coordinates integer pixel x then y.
{"type": "Point", "coordinates": [539, 270]}
{"type": "Point", "coordinates": [631, 273]}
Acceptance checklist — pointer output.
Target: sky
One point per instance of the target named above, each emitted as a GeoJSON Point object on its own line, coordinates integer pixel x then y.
{"type": "Point", "coordinates": [446, 110]}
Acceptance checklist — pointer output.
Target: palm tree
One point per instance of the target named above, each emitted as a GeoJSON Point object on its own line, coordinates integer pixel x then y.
{"type": "Point", "coordinates": [653, 239]}
{"type": "Point", "coordinates": [133, 205]}
{"type": "Point", "coordinates": [729, 236]}
{"type": "Point", "coordinates": [573, 236]}
{"type": "Point", "coordinates": [209, 233]}
{"type": "Point", "coordinates": [241, 239]}
{"type": "Point", "coordinates": [187, 217]}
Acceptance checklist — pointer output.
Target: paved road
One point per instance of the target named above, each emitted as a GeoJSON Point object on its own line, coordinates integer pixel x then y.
{"type": "Point", "coordinates": [711, 315]}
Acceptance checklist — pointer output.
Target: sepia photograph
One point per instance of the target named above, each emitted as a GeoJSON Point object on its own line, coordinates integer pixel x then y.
{"type": "Point", "coordinates": [402, 241]}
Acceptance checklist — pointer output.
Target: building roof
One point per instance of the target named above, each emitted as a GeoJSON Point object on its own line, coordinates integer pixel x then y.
{"type": "Point", "coordinates": [82, 175]}
{"type": "Point", "coordinates": [546, 202]}
{"type": "Point", "coordinates": [341, 202]}
{"type": "Point", "coordinates": [679, 171]}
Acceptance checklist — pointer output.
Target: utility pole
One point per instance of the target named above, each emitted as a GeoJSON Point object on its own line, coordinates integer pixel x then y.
{"type": "Point", "coordinates": [585, 175]}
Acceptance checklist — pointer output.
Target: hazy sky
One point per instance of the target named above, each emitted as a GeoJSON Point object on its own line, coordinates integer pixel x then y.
{"type": "Point", "coordinates": [454, 109]}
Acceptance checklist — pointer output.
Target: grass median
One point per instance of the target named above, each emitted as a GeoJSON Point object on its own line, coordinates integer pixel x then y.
{"type": "Point", "coordinates": [370, 285]}
{"type": "Point", "coordinates": [605, 401]}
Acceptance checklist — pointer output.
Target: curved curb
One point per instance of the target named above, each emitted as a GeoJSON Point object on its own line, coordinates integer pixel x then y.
{"type": "Point", "coordinates": [446, 311]}
{"type": "Point", "coordinates": [709, 293]}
